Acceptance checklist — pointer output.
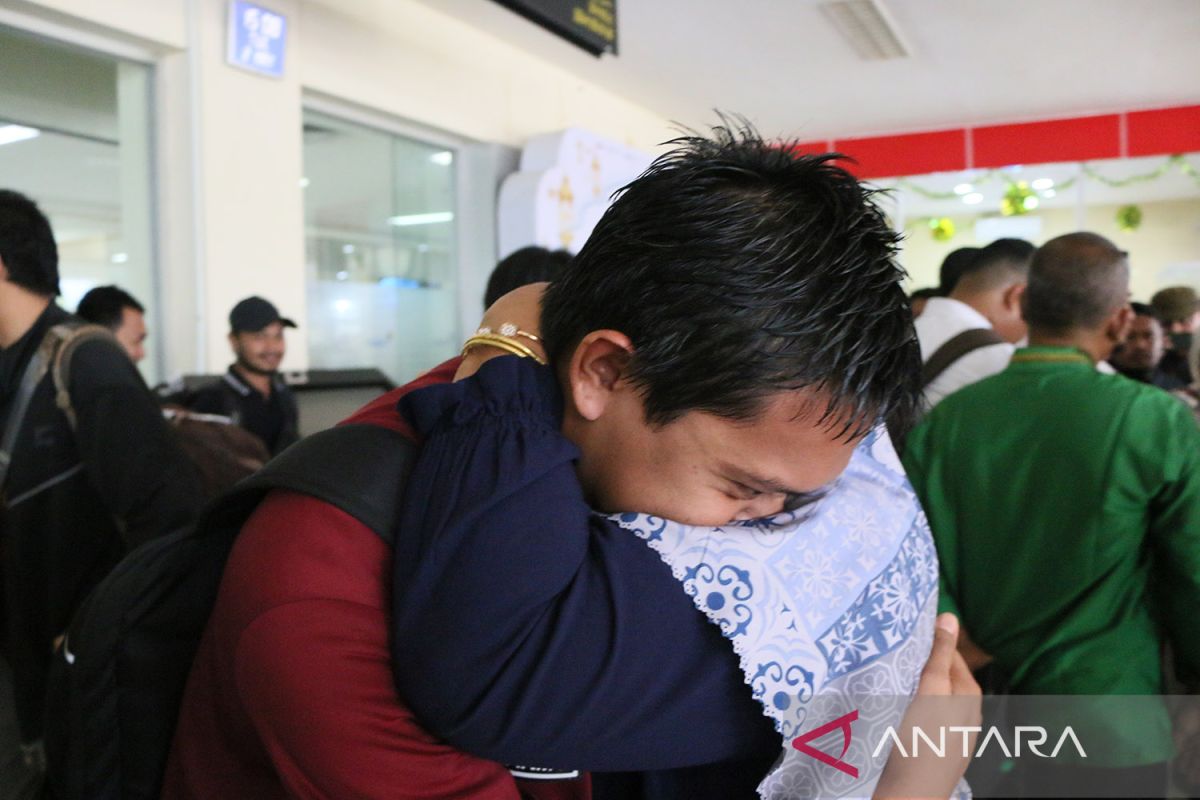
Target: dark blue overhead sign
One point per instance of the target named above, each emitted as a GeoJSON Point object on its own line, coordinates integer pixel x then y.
{"type": "Point", "coordinates": [256, 38]}
{"type": "Point", "coordinates": [590, 24]}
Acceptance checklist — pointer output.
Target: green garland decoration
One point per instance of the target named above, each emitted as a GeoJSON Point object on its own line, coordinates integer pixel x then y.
{"type": "Point", "coordinates": [1175, 161]}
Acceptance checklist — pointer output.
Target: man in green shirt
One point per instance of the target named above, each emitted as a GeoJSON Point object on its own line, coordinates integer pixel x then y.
{"type": "Point", "coordinates": [1065, 505]}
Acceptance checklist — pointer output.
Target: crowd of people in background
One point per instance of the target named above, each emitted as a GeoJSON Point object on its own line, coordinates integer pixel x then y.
{"type": "Point", "coordinates": [1056, 454]}
{"type": "Point", "coordinates": [975, 326]}
{"type": "Point", "coordinates": [1064, 499]}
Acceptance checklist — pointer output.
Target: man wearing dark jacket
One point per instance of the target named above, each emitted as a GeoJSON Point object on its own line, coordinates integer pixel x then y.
{"type": "Point", "coordinates": [77, 494]}
{"type": "Point", "coordinates": [251, 393]}
{"type": "Point", "coordinates": [1140, 356]}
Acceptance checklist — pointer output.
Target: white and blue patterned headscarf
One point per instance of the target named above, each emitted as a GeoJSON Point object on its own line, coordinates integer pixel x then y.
{"type": "Point", "coordinates": [827, 608]}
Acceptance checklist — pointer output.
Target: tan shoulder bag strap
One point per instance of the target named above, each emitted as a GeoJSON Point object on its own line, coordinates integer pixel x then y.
{"type": "Point", "coordinates": [70, 337]}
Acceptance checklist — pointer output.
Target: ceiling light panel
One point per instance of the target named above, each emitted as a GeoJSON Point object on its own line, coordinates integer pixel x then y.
{"type": "Point", "coordinates": [868, 27]}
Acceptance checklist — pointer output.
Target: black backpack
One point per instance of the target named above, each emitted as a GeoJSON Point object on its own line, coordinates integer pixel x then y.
{"type": "Point", "coordinates": [118, 679]}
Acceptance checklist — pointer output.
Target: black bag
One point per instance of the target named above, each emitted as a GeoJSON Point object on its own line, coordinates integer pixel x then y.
{"type": "Point", "coordinates": [118, 679]}
{"type": "Point", "coordinates": [224, 453]}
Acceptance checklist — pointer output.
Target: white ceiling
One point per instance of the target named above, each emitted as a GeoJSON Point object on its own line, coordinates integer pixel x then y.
{"type": "Point", "coordinates": [782, 64]}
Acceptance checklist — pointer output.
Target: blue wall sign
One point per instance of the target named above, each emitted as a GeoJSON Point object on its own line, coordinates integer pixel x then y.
{"type": "Point", "coordinates": [256, 38]}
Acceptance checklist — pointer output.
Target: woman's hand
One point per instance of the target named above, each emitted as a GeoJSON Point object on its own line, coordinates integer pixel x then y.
{"type": "Point", "coordinates": [521, 307]}
{"type": "Point", "coordinates": [946, 696]}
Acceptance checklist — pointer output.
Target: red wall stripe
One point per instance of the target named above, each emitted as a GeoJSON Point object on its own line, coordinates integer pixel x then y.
{"type": "Point", "coordinates": [1077, 139]}
{"type": "Point", "coordinates": [1137, 133]}
{"type": "Point", "coordinates": [813, 148]}
{"type": "Point", "coordinates": [906, 154]}
{"type": "Point", "coordinates": [1164, 131]}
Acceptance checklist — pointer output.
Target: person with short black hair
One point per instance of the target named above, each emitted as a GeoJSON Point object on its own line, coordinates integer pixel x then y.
{"type": "Point", "coordinates": [81, 484]}
{"type": "Point", "coordinates": [1178, 309]}
{"type": "Point", "coordinates": [1065, 504]}
{"type": "Point", "coordinates": [116, 309]}
{"type": "Point", "coordinates": [919, 297]}
{"type": "Point", "coordinates": [1138, 357]}
{"type": "Point", "coordinates": [251, 393]}
{"type": "Point", "coordinates": [522, 267]}
{"type": "Point", "coordinates": [969, 334]}
{"type": "Point", "coordinates": [953, 267]}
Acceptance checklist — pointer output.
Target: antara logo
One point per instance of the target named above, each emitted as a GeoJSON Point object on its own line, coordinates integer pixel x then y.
{"type": "Point", "coordinates": [801, 743]}
{"type": "Point", "coordinates": [1031, 736]}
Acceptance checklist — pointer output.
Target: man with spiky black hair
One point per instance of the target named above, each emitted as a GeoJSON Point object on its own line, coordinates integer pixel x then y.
{"type": "Point", "coordinates": [732, 280]}
{"type": "Point", "coordinates": [720, 346]}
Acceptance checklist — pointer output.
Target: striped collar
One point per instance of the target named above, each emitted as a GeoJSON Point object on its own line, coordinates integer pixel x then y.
{"type": "Point", "coordinates": [234, 380]}
{"type": "Point", "coordinates": [1051, 355]}
{"type": "Point", "coordinates": [240, 386]}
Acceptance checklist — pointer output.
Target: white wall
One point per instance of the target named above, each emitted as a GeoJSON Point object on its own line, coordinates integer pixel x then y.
{"type": "Point", "coordinates": [229, 148]}
{"type": "Point", "coordinates": [405, 57]}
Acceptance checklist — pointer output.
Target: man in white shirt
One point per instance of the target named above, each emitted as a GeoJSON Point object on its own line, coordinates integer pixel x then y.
{"type": "Point", "coordinates": [970, 335]}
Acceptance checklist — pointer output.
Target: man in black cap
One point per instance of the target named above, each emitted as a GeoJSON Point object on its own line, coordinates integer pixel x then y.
{"type": "Point", "coordinates": [251, 393]}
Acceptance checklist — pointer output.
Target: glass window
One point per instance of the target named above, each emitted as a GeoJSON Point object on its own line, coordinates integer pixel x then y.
{"type": "Point", "coordinates": [380, 235]}
{"type": "Point", "coordinates": [75, 137]}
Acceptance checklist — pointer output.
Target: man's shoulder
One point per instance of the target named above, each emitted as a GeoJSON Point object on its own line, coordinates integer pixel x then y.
{"type": "Point", "coordinates": [384, 410]}
{"type": "Point", "coordinates": [974, 399]}
{"type": "Point", "coordinates": [1151, 399]}
{"type": "Point", "coordinates": [943, 319]}
{"type": "Point", "coordinates": [993, 396]}
{"type": "Point", "coordinates": [295, 547]}
{"type": "Point", "coordinates": [323, 551]}
{"type": "Point", "coordinates": [1121, 388]}
{"type": "Point", "coordinates": [969, 370]}
{"type": "Point", "coordinates": [100, 358]}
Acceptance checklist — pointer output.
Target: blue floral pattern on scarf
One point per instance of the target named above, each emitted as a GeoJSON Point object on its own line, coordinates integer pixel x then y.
{"type": "Point", "coordinates": [834, 602]}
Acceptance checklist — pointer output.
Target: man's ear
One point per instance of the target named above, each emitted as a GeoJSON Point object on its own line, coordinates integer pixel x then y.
{"type": "Point", "coordinates": [1014, 297]}
{"type": "Point", "coordinates": [596, 368]}
{"type": "Point", "coordinates": [1119, 323]}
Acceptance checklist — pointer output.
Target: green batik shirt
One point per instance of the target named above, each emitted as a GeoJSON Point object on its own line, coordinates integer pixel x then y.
{"type": "Point", "coordinates": [1065, 505]}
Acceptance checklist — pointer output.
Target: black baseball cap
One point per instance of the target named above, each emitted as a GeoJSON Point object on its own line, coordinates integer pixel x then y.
{"type": "Point", "coordinates": [253, 314]}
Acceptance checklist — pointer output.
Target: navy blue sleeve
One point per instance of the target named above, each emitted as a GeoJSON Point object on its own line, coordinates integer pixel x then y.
{"type": "Point", "coordinates": [529, 630]}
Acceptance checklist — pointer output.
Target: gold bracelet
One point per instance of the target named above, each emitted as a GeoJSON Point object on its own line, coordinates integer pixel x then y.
{"type": "Point", "coordinates": [502, 342]}
{"type": "Point", "coordinates": [509, 329]}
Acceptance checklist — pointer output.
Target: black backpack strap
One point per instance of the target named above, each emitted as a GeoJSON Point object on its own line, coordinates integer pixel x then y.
{"type": "Point", "coordinates": [954, 349]}
{"type": "Point", "coordinates": [35, 370]}
{"type": "Point", "coordinates": [360, 469]}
